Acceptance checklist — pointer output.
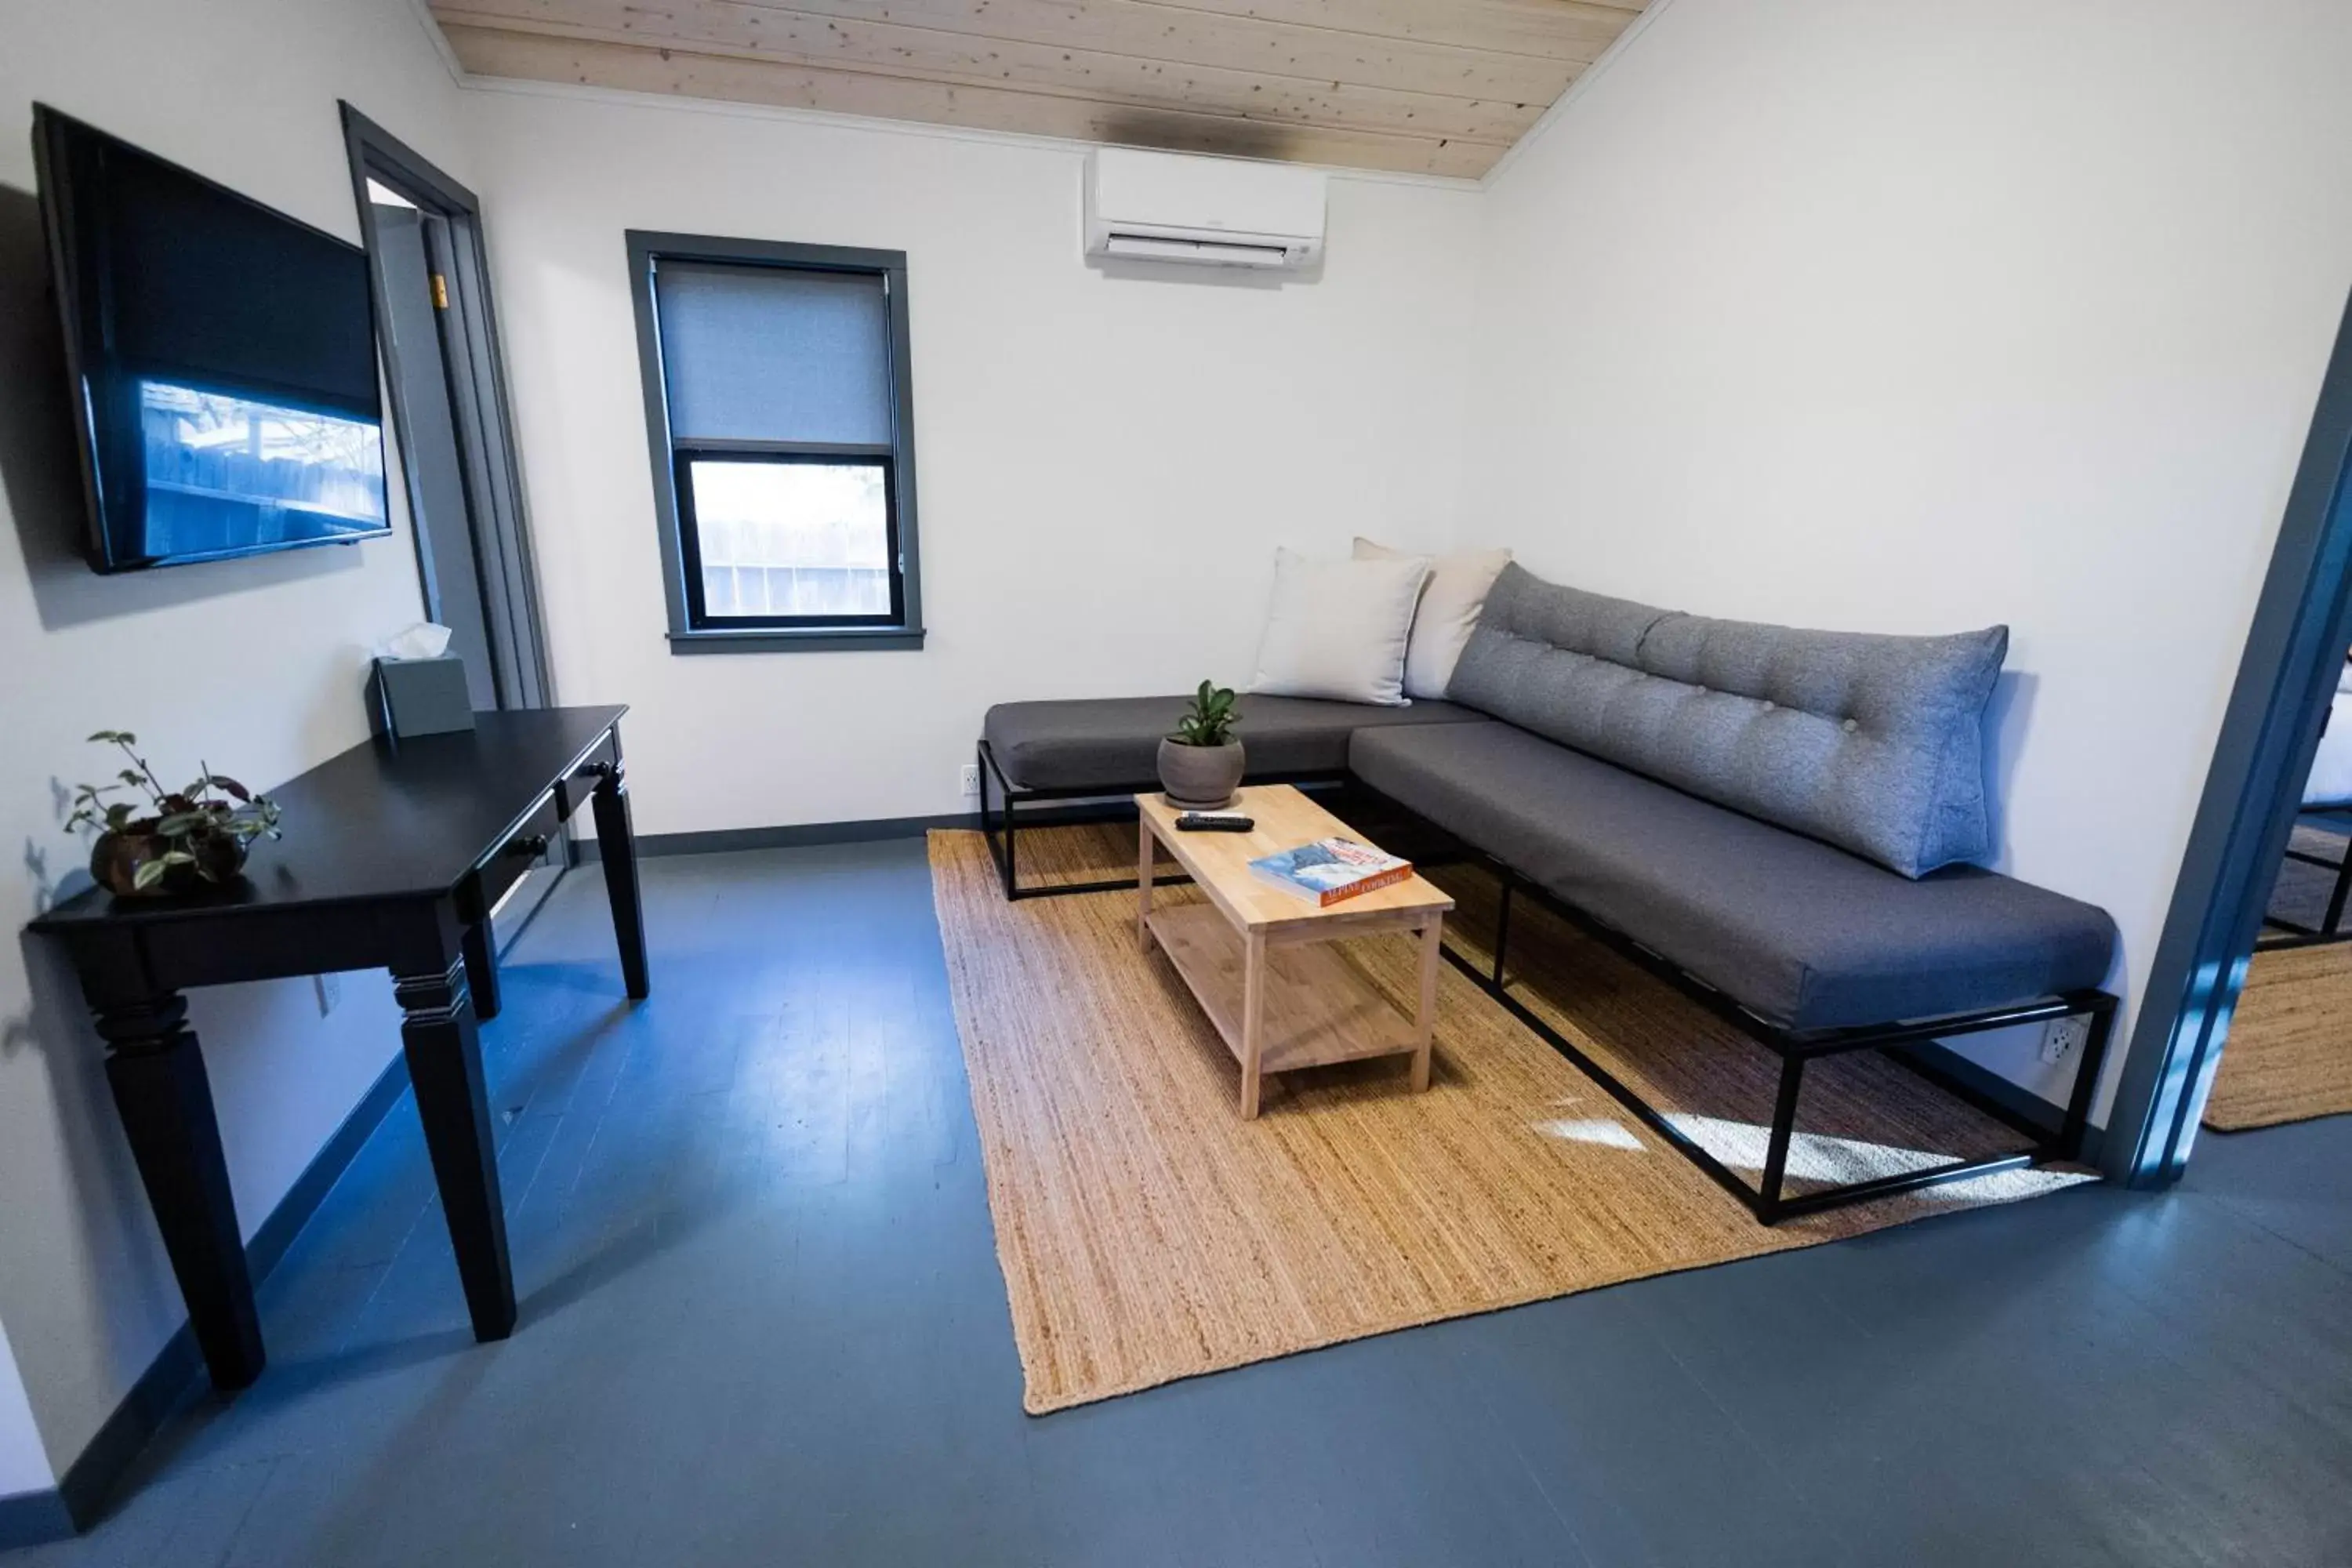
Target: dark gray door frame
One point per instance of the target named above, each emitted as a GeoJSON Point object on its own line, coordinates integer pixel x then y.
{"type": "Point", "coordinates": [2286, 678]}
{"type": "Point", "coordinates": [478, 395]}
{"type": "Point", "coordinates": [475, 380]}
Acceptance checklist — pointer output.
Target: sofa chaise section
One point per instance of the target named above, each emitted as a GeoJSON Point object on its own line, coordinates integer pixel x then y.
{"type": "Point", "coordinates": [1782, 823]}
{"type": "Point", "coordinates": [1075, 748]}
{"type": "Point", "coordinates": [1804, 935]}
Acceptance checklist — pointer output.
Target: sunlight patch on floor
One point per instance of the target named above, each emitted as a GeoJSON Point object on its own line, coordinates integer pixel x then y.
{"type": "Point", "coordinates": [1598, 1130]}
{"type": "Point", "coordinates": [1813, 1156]}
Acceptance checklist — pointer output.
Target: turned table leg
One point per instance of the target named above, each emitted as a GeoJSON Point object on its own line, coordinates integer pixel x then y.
{"type": "Point", "coordinates": [481, 969]}
{"type": "Point", "coordinates": [445, 1066]}
{"type": "Point", "coordinates": [165, 1101]}
{"type": "Point", "coordinates": [616, 848]}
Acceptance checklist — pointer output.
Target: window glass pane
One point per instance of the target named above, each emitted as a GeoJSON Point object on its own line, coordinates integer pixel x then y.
{"type": "Point", "coordinates": [771, 353]}
{"type": "Point", "coordinates": [792, 538]}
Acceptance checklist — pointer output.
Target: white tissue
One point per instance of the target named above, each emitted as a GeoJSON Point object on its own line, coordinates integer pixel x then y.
{"type": "Point", "coordinates": [423, 641]}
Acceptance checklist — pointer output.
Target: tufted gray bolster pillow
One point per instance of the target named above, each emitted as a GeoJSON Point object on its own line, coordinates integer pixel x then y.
{"type": "Point", "coordinates": [1873, 743]}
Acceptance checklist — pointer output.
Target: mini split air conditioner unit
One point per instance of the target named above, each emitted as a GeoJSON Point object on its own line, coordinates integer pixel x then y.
{"type": "Point", "coordinates": [1214, 212]}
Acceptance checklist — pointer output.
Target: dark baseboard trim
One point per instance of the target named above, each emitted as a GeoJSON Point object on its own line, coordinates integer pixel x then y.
{"type": "Point", "coordinates": [1990, 1085]}
{"type": "Point", "coordinates": [176, 1374]}
{"type": "Point", "coordinates": [796, 836]}
{"type": "Point", "coordinates": [802, 835]}
{"type": "Point", "coordinates": [33, 1518]}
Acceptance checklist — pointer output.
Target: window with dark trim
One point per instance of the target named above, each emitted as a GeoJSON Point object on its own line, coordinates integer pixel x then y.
{"type": "Point", "coordinates": [781, 417]}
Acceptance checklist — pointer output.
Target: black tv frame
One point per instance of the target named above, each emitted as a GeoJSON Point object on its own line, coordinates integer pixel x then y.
{"type": "Point", "coordinates": [51, 127]}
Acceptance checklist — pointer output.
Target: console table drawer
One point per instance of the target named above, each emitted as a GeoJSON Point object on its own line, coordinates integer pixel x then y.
{"type": "Point", "coordinates": [504, 867]}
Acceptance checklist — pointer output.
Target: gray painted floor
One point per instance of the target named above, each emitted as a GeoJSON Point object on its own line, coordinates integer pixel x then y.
{"type": "Point", "coordinates": [762, 1323]}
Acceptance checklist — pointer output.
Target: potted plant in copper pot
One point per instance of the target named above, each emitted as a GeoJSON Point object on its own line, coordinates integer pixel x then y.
{"type": "Point", "coordinates": [173, 841]}
{"type": "Point", "coordinates": [1201, 764]}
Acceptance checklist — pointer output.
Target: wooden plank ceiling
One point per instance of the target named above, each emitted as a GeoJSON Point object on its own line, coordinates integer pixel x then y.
{"type": "Point", "coordinates": [1437, 86]}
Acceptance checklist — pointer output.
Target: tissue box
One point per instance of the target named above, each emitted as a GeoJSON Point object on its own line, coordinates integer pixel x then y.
{"type": "Point", "coordinates": [410, 697]}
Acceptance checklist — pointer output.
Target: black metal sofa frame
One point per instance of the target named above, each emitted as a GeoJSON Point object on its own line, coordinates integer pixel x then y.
{"type": "Point", "coordinates": [1796, 1049]}
{"type": "Point", "coordinates": [2331, 925]}
{"type": "Point", "coordinates": [1767, 1199]}
{"type": "Point", "coordinates": [1004, 846]}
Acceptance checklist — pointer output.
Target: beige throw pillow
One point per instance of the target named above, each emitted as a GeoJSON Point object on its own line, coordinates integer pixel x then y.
{"type": "Point", "coordinates": [1339, 630]}
{"type": "Point", "coordinates": [1448, 613]}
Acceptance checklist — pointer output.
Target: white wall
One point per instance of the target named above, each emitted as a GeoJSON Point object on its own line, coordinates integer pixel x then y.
{"type": "Point", "coordinates": [1909, 315]}
{"type": "Point", "coordinates": [24, 1466]}
{"type": "Point", "coordinates": [253, 665]}
{"type": "Point", "coordinates": [1105, 463]}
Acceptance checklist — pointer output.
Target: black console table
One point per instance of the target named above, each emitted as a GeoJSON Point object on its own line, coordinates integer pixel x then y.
{"type": "Point", "coordinates": [392, 858]}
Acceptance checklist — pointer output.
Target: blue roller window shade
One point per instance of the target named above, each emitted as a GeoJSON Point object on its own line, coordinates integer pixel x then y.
{"type": "Point", "coordinates": [769, 354]}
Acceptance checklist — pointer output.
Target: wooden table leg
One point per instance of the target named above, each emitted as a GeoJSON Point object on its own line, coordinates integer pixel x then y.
{"type": "Point", "coordinates": [1252, 1021]}
{"type": "Point", "coordinates": [165, 1102]}
{"type": "Point", "coordinates": [1146, 854]}
{"type": "Point", "coordinates": [482, 969]}
{"type": "Point", "coordinates": [1425, 1019]}
{"type": "Point", "coordinates": [616, 848]}
{"type": "Point", "coordinates": [445, 1067]}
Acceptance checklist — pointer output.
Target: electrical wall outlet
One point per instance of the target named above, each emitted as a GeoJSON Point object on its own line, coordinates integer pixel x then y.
{"type": "Point", "coordinates": [968, 780]}
{"type": "Point", "coordinates": [330, 988]}
{"type": "Point", "coordinates": [2061, 1039]}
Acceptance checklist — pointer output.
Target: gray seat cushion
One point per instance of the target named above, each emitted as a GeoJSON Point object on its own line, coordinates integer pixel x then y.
{"type": "Point", "coordinates": [1109, 743]}
{"type": "Point", "coordinates": [1869, 742]}
{"type": "Point", "coordinates": [1804, 935]}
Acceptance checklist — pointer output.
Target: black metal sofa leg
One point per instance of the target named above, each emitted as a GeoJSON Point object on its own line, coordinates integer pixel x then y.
{"type": "Point", "coordinates": [1004, 849]}
{"type": "Point", "coordinates": [2077, 1126]}
{"type": "Point", "coordinates": [2333, 924]}
{"type": "Point", "coordinates": [1784, 1132]}
{"type": "Point", "coordinates": [1503, 927]}
{"type": "Point", "coordinates": [1011, 850]}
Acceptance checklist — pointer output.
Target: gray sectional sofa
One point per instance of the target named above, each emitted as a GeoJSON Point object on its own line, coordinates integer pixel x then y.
{"type": "Point", "coordinates": [1780, 823]}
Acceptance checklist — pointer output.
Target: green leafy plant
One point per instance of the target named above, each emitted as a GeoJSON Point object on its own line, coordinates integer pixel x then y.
{"type": "Point", "coordinates": [214, 813]}
{"type": "Point", "coordinates": [1210, 720]}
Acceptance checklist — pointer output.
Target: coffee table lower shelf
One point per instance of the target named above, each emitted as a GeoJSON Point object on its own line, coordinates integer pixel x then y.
{"type": "Point", "coordinates": [1318, 1008]}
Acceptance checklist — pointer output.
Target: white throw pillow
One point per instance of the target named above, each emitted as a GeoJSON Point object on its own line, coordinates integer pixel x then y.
{"type": "Point", "coordinates": [1449, 611]}
{"type": "Point", "coordinates": [1340, 628]}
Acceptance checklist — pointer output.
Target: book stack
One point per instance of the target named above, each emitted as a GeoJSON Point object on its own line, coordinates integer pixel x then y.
{"type": "Point", "coordinates": [1330, 870]}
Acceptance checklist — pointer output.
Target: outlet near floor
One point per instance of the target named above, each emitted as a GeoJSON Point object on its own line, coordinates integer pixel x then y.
{"type": "Point", "coordinates": [2062, 1038]}
{"type": "Point", "coordinates": [968, 780]}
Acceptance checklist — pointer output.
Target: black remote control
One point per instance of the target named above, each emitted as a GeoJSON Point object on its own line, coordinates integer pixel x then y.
{"type": "Point", "coordinates": [1213, 822]}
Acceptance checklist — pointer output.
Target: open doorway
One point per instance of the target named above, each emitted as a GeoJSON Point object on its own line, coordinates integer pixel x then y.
{"type": "Point", "coordinates": [2289, 1055]}
{"type": "Point", "coordinates": [2252, 831]}
{"type": "Point", "coordinates": [438, 334]}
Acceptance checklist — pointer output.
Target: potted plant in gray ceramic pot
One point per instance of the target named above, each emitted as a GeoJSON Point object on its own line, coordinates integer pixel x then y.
{"type": "Point", "coordinates": [183, 840]}
{"type": "Point", "coordinates": [1201, 764]}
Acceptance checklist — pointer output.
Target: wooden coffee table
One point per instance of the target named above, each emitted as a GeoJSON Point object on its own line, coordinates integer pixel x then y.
{"type": "Point", "coordinates": [1255, 955]}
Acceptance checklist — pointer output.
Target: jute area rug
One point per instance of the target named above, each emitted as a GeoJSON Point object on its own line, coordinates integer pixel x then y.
{"type": "Point", "coordinates": [1148, 1234]}
{"type": "Point", "coordinates": [2289, 1054]}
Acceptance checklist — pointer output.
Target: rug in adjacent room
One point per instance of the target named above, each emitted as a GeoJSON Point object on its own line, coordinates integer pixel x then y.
{"type": "Point", "coordinates": [1147, 1233]}
{"type": "Point", "coordinates": [2300, 892]}
{"type": "Point", "coordinates": [2289, 1054]}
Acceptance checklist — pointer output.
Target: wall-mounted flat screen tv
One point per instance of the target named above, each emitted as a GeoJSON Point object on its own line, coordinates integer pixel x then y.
{"type": "Point", "coordinates": [222, 357]}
